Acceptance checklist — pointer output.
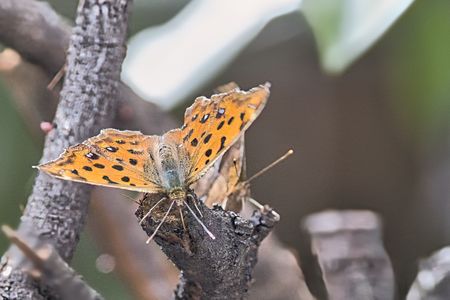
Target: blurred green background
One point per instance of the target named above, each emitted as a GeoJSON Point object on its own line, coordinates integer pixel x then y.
{"type": "Point", "coordinates": [376, 137]}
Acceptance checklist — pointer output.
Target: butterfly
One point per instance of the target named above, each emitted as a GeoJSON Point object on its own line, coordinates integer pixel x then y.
{"type": "Point", "coordinates": [167, 164]}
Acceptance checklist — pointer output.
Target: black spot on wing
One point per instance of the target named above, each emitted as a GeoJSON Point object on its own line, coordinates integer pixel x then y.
{"type": "Point", "coordinates": [133, 161]}
{"type": "Point", "coordinates": [87, 168]}
{"type": "Point", "coordinates": [120, 142]}
{"type": "Point", "coordinates": [188, 136]}
{"type": "Point", "coordinates": [74, 171]}
{"type": "Point", "coordinates": [105, 177]}
{"type": "Point", "coordinates": [220, 125]}
{"type": "Point", "coordinates": [207, 138]}
{"type": "Point", "coordinates": [91, 155]}
{"type": "Point", "coordinates": [230, 120]}
{"type": "Point", "coordinates": [125, 179]}
{"type": "Point", "coordinates": [112, 149]}
{"type": "Point", "coordinates": [222, 143]}
{"type": "Point", "coordinates": [208, 152]}
{"type": "Point", "coordinates": [117, 167]}
{"type": "Point", "coordinates": [220, 112]}
{"type": "Point", "coordinates": [194, 142]}
{"type": "Point", "coordinates": [204, 119]}
{"type": "Point", "coordinates": [136, 152]}
{"type": "Point", "coordinates": [99, 166]}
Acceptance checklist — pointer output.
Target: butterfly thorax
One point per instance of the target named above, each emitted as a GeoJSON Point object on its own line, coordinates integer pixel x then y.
{"type": "Point", "coordinates": [178, 195]}
{"type": "Point", "coordinates": [171, 172]}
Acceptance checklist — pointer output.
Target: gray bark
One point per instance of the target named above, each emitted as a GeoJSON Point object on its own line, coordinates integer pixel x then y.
{"type": "Point", "coordinates": [351, 255]}
{"type": "Point", "coordinates": [210, 269]}
{"type": "Point", "coordinates": [57, 209]}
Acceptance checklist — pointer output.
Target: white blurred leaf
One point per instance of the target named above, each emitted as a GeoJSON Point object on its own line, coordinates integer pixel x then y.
{"type": "Point", "coordinates": [345, 29]}
{"type": "Point", "coordinates": [167, 63]}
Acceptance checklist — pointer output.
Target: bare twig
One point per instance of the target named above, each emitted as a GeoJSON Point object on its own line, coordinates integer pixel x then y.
{"type": "Point", "coordinates": [351, 255]}
{"type": "Point", "coordinates": [50, 268]}
{"type": "Point", "coordinates": [56, 209]}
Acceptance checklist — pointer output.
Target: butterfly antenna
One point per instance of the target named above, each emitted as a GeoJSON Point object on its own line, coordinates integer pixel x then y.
{"type": "Point", "coordinates": [160, 223]}
{"type": "Point", "coordinates": [286, 155]}
{"type": "Point", "coordinates": [200, 222]}
{"type": "Point", "coordinates": [182, 218]}
{"type": "Point", "coordinates": [150, 210]}
{"type": "Point", "coordinates": [261, 207]}
{"type": "Point", "coordinates": [130, 198]}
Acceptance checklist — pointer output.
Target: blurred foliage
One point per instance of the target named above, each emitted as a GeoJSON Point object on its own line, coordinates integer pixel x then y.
{"type": "Point", "coordinates": [144, 13]}
{"type": "Point", "coordinates": [17, 155]}
{"type": "Point", "coordinates": [345, 29]}
{"type": "Point", "coordinates": [419, 68]}
{"type": "Point", "coordinates": [84, 262]}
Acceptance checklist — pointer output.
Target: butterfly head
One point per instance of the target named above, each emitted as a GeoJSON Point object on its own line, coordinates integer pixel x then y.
{"type": "Point", "coordinates": [178, 195]}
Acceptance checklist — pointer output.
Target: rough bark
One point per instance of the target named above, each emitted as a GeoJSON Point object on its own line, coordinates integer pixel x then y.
{"type": "Point", "coordinates": [57, 209]}
{"type": "Point", "coordinates": [350, 253]}
{"type": "Point", "coordinates": [219, 268]}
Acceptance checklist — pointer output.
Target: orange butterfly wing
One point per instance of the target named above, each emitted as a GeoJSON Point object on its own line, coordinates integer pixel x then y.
{"type": "Point", "coordinates": [211, 126]}
{"type": "Point", "coordinates": [112, 158]}
{"type": "Point", "coordinates": [222, 184]}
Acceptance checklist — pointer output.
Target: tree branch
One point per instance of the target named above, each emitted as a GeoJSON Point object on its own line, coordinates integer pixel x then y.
{"type": "Point", "coordinates": [211, 269]}
{"type": "Point", "coordinates": [50, 268]}
{"type": "Point", "coordinates": [57, 209]}
{"type": "Point", "coordinates": [351, 255]}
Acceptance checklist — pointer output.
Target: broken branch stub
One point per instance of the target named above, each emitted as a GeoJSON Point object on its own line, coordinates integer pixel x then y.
{"type": "Point", "coordinates": [219, 268]}
{"type": "Point", "coordinates": [350, 252]}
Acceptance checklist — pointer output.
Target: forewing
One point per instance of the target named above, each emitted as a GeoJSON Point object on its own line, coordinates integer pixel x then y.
{"type": "Point", "coordinates": [113, 158]}
{"type": "Point", "coordinates": [211, 126]}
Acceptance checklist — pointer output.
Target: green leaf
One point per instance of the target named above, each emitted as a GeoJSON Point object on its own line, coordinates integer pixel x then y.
{"type": "Point", "coordinates": [345, 29]}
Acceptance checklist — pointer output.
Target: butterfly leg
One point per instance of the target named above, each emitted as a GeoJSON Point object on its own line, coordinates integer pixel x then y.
{"type": "Point", "coordinates": [182, 218]}
{"type": "Point", "coordinates": [195, 204]}
{"type": "Point", "coordinates": [150, 210]}
{"type": "Point", "coordinates": [200, 222]}
{"type": "Point", "coordinates": [160, 223]}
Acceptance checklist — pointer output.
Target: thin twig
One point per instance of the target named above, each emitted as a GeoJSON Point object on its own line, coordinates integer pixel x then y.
{"type": "Point", "coordinates": [50, 268]}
